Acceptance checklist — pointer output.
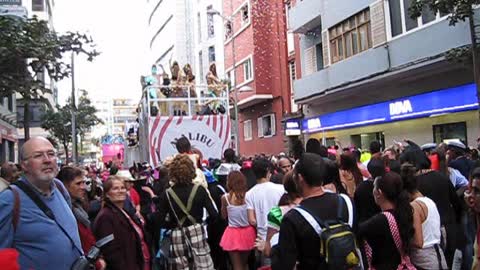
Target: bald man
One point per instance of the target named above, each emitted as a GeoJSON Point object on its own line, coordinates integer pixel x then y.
{"type": "Point", "coordinates": [8, 174]}
{"type": "Point", "coordinates": [37, 236]}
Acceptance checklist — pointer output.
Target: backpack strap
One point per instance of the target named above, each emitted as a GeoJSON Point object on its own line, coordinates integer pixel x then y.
{"type": "Point", "coordinates": [185, 209]}
{"type": "Point", "coordinates": [309, 218]}
{"type": "Point", "coordinates": [349, 208]}
{"type": "Point", "coordinates": [16, 209]}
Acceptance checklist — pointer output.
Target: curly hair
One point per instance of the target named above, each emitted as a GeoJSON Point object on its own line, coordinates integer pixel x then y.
{"type": "Point", "coordinates": [237, 186]}
{"type": "Point", "coordinates": [181, 170]}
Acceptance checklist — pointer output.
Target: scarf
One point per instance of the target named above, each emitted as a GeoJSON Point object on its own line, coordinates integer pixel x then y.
{"type": "Point", "coordinates": [80, 214]}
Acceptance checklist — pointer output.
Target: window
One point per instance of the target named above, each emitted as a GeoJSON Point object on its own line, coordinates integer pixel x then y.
{"type": "Point", "coordinates": [211, 54]}
{"type": "Point", "coordinates": [245, 14]}
{"type": "Point", "coordinates": [310, 60]}
{"type": "Point", "coordinates": [319, 56]}
{"type": "Point", "coordinates": [350, 37]}
{"type": "Point", "coordinates": [38, 5]}
{"type": "Point", "coordinates": [266, 125]}
{"type": "Point", "coordinates": [200, 65]}
{"type": "Point", "coordinates": [450, 131]}
{"type": "Point", "coordinates": [247, 130]}
{"type": "Point", "coordinates": [210, 24]}
{"type": "Point", "coordinates": [231, 76]}
{"type": "Point", "coordinates": [199, 27]}
{"type": "Point", "coordinates": [228, 30]}
{"type": "Point", "coordinates": [400, 19]}
{"type": "Point", "coordinates": [247, 70]}
{"type": "Point", "coordinates": [10, 103]}
{"type": "Point", "coordinates": [363, 141]}
{"type": "Point", "coordinates": [292, 69]}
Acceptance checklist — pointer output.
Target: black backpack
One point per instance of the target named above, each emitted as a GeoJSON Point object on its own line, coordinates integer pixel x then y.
{"type": "Point", "coordinates": [338, 244]}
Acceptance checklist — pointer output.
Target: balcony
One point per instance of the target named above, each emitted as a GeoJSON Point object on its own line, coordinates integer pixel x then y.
{"type": "Point", "coordinates": [357, 67]}
{"type": "Point", "coordinates": [417, 53]}
{"type": "Point", "coordinates": [305, 15]}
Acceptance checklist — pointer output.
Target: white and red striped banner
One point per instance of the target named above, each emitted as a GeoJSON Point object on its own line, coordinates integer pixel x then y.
{"type": "Point", "coordinates": [210, 134]}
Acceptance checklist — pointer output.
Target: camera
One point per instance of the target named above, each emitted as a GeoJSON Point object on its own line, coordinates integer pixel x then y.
{"type": "Point", "coordinates": [88, 262]}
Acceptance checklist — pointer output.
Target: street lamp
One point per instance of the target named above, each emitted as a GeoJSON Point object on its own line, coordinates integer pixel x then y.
{"type": "Point", "coordinates": [214, 12]}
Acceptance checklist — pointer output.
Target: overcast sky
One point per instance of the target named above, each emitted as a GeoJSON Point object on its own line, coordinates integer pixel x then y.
{"type": "Point", "coordinates": [119, 30]}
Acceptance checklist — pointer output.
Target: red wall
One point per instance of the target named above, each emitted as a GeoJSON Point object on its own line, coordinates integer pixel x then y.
{"type": "Point", "coordinates": [266, 40]}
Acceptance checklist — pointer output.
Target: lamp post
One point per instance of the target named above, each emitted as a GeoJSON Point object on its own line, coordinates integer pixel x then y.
{"type": "Point", "coordinates": [212, 11]}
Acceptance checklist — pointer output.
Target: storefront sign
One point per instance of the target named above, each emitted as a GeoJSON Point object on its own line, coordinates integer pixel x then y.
{"type": "Point", "coordinates": [292, 128]}
{"type": "Point", "coordinates": [456, 99]}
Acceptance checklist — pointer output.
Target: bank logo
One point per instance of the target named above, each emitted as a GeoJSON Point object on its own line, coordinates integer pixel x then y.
{"type": "Point", "coordinates": [400, 107]}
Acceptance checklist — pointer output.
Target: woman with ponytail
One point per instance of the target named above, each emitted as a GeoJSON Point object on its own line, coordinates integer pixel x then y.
{"type": "Point", "coordinates": [388, 234]}
{"type": "Point", "coordinates": [426, 252]}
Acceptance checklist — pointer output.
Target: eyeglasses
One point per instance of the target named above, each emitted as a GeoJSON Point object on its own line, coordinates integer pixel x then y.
{"type": "Point", "coordinates": [40, 156]}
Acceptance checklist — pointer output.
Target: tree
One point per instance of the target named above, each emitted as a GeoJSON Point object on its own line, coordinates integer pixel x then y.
{"type": "Point", "coordinates": [59, 122]}
{"type": "Point", "coordinates": [28, 49]}
{"type": "Point", "coordinates": [460, 11]}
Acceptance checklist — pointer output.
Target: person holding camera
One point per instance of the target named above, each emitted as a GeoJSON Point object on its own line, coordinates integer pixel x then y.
{"type": "Point", "coordinates": [74, 180]}
{"type": "Point", "coordinates": [35, 215]}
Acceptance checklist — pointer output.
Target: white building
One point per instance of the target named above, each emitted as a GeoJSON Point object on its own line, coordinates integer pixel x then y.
{"type": "Point", "coordinates": [209, 39]}
{"type": "Point", "coordinates": [170, 31]}
{"type": "Point", "coordinates": [44, 10]}
{"type": "Point", "coordinates": [104, 108]}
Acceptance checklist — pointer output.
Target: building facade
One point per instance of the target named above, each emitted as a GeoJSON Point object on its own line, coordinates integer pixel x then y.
{"type": "Point", "coordinates": [208, 32]}
{"type": "Point", "coordinates": [124, 112]}
{"type": "Point", "coordinates": [256, 59]}
{"type": "Point", "coordinates": [170, 30]}
{"type": "Point", "coordinates": [8, 129]}
{"type": "Point", "coordinates": [371, 72]}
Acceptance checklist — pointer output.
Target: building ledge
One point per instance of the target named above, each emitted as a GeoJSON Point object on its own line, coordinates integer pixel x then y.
{"type": "Point", "coordinates": [253, 100]}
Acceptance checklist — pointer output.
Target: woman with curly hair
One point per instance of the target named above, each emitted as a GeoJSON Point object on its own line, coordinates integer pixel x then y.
{"type": "Point", "coordinates": [239, 237]}
{"type": "Point", "coordinates": [181, 209]}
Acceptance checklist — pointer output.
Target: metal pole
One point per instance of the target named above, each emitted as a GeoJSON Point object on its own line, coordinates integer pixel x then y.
{"type": "Point", "coordinates": [74, 128]}
{"type": "Point", "coordinates": [234, 86]}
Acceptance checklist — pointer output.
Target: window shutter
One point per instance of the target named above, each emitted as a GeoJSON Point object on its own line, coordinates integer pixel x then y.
{"type": "Point", "coordinates": [326, 53]}
{"type": "Point", "coordinates": [272, 118]}
{"type": "Point", "coordinates": [377, 19]}
{"type": "Point", "coordinates": [310, 61]}
{"type": "Point", "coordinates": [260, 127]}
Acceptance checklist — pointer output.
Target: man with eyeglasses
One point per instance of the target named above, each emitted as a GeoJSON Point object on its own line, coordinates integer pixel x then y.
{"type": "Point", "coordinates": [46, 236]}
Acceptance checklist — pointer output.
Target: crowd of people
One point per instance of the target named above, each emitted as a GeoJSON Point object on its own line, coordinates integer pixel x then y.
{"type": "Point", "coordinates": [404, 207]}
{"type": "Point", "coordinates": [181, 84]}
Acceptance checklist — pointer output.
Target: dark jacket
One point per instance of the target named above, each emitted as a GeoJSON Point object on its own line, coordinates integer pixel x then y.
{"type": "Point", "coordinates": [125, 251]}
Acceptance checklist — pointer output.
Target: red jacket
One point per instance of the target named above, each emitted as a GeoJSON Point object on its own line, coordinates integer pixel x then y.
{"type": "Point", "coordinates": [87, 239]}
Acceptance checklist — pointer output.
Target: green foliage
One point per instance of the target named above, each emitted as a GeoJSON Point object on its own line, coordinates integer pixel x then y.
{"type": "Point", "coordinates": [59, 122]}
{"type": "Point", "coordinates": [29, 48]}
{"type": "Point", "coordinates": [459, 10]}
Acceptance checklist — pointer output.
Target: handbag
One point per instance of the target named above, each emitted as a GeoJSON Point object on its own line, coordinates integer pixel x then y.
{"type": "Point", "coordinates": [405, 263]}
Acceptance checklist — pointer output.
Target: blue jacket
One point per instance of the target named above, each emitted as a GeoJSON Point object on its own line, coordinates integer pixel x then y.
{"type": "Point", "coordinates": [39, 240]}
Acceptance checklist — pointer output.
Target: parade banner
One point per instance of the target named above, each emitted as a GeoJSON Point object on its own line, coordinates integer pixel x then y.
{"type": "Point", "coordinates": [210, 134]}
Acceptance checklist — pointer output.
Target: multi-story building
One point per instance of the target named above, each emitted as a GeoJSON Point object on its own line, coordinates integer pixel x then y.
{"type": "Point", "coordinates": [371, 72]}
{"type": "Point", "coordinates": [208, 39]}
{"type": "Point", "coordinates": [170, 28]}
{"type": "Point", "coordinates": [8, 129]}
{"type": "Point", "coordinates": [104, 108]}
{"type": "Point", "coordinates": [256, 59]}
{"type": "Point", "coordinates": [44, 10]}
{"type": "Point", "coordinates": [124, 112]}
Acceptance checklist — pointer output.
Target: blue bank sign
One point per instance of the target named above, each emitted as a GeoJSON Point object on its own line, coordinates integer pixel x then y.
{"type": "Point", "coordinates": [456, 99]}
